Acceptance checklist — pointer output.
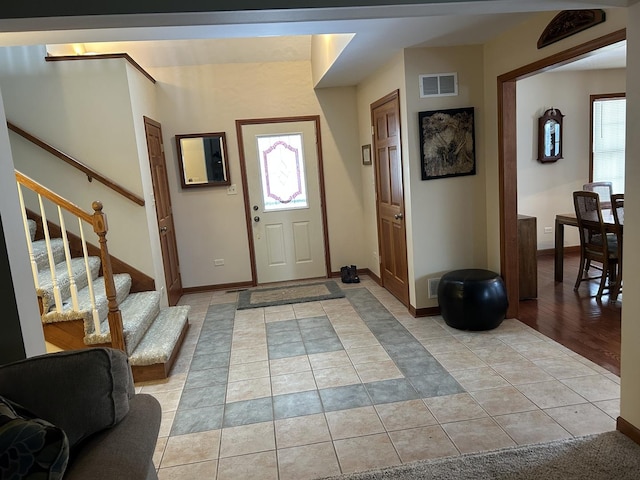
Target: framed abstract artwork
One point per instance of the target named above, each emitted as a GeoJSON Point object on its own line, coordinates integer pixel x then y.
{"type": "Point", "coordinates": [447, 143]}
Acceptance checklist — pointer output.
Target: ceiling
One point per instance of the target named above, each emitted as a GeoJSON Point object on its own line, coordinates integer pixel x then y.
{"type": "Point", "coordinates": [160, 40]}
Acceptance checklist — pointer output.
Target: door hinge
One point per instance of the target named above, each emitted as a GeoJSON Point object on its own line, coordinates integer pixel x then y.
{"type": "Point", "coordinates": [162, 147]}
{"type": "Point", "coordinates": [372, 130]}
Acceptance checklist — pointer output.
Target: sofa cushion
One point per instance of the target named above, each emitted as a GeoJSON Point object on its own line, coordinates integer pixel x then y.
{"type": "Point", "coordinates": [80, 391]}
{"type": "Point", "coordinates": [30, 447]}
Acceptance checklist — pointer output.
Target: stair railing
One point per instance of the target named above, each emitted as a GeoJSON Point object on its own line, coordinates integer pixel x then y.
{"type": "Point", "coordinates": [99, 223]}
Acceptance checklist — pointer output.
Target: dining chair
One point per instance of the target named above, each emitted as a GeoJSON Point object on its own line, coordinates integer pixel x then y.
{"type": "Point", "coordinates": [595, 244]}
{"type": "Point", "coordinates": [603, 189]}
{"type": "Point", "coordinates": [617, 208]}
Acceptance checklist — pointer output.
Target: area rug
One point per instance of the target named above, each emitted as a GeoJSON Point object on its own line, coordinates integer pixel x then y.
{"type": "Point", "coordinates": [605, 456]}
{"type": "Point", "coordinates": [307, 292]}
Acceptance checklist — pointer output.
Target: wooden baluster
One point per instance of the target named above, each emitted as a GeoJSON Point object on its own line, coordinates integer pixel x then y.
{"type": "Point", "coordinates": [114, 316]}
{"type": "Point", "coordinates": [92, 296]}
{"type": "Point", "coordinates": [32, 258]}
{"type": "Point", "coordinates": [52, 265]}
{"type": "Point", "coordinates": [73, 289]}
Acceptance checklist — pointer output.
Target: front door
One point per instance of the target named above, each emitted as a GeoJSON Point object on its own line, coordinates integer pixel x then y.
{"type": "Point", "coordinates": [164, 213]}
{"type": "Point", "coordinates": [282, 178]}
{"type": "Point", "coordinates": [385, 114]}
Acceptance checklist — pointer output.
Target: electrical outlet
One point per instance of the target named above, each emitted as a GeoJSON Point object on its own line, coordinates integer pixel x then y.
{"type": "Point", "coordinates": [218, 262]}
{"type": "Point", "coordinates": [232, 189]}
{"type": "Point", "coordinates": [548, 229]}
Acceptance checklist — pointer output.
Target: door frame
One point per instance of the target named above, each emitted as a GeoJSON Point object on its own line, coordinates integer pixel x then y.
{"type": "Point", "coordinates": [245, 186]}
{"type": "Point", "coordinates": [508, 154]}
{"type": "Point", "coordinates": [172, 296]}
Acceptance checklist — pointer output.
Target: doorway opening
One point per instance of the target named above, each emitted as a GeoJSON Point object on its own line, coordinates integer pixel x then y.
{"type": "Point", "coordinates": [507, 154]}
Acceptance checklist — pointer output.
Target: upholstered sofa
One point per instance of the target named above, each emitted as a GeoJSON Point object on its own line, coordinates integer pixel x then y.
{"type": "Point", "coordinates": [75, 415]}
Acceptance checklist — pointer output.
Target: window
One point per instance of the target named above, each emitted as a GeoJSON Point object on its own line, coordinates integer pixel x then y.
{"type": "Point", "coordinates": [608, 115]}
{"type": "Point", "coordinates": [282, 171]}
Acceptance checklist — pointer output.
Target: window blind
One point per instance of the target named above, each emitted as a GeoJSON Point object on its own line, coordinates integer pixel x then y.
{"type": "Point", "coordinates": [609, 123]}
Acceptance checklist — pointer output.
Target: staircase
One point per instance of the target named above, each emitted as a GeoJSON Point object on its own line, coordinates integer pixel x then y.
{"type": "Point", "coordinates": [80, 307]}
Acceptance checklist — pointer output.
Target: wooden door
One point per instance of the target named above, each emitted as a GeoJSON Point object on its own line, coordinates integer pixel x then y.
{"type": "Point", "coordinates": [282, 178]}
{"type": "Point", "coordinates": [392, 239]}
{"type": "Point", "coordinates": [164, 213]}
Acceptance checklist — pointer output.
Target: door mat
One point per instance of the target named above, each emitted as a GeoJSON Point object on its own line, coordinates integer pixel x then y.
{"type": "Point", "coordinates": [308, 292]}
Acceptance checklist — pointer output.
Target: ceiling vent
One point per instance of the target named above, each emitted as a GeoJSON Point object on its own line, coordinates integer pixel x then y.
{"type": "Point", "coordinates": [438, 85]}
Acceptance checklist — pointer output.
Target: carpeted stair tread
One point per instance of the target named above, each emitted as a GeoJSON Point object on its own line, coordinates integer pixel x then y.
{"type": "Point", "coordinates": [122, 283]}
{"type": "Point", "coordinates": [40, 255]}
{"type": "Point", "coordinates": [160, 340]}
{"type": "Point", "coordinates": [45, 288]}
{"type": "Point", "coordinates": [139, 311]}
{"type": "Point", "coordinates": [32, 228]}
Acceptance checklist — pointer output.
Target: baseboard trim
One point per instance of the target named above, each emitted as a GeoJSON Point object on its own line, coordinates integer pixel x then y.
{"type": "Point", "coordinates": [424, 312]}
{"type": "Point", "coordinates": [628, 429]}
{"type": "Point", "coordinates": [361, 271]}
{"type": "Point", "coordinates": [552, 251]}
{"type": "Point", "coordinates": [216, 288]}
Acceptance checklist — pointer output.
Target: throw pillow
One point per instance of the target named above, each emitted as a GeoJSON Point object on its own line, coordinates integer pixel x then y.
{"type": "Point", "coordinates": [30, 448]}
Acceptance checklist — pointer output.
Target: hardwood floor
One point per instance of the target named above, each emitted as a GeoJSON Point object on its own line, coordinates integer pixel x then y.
{"type": "Point", "coordinates": [575, 319]}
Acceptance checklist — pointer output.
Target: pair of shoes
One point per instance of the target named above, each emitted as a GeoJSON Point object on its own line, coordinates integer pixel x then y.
{"type": "Point", "coordinates": [349, 274]}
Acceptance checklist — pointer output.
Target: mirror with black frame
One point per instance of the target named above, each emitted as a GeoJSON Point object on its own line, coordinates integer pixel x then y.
{"type": "Point", "coordinates": [202, 158]}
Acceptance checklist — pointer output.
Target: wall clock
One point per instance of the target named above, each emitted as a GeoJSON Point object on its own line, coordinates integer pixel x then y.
{"type": "Point", "coordinates": [550, 136]}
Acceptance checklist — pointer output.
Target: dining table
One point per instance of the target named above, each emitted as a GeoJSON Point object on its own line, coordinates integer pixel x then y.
{"type": "Point", "coordinates": [571, 220]}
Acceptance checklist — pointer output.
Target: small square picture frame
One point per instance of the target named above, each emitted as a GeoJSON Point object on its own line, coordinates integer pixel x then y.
{"type": "Point", "coordinates": [366, 154]}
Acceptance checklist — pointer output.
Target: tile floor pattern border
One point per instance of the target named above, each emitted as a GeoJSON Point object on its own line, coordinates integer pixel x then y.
{"type": "Point", "coordinates": [232, 411]}
{"type": "Point", "coordinates": [206, 407]}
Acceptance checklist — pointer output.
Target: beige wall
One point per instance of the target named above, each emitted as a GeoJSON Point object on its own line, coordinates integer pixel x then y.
{"type": "Point", "coordinates": [325, 49]}
{"type": "Point", "coordinates": [630, 373]}
{"type": "Point", "coordinates": [445, 218]}
{"type": "Point", "coordinates": [545, 189]}
{"type": "Point", "coordinates": [84, 109]}
{"type": "Point", "coordinates": [499, 60]}
{"type": "Point", "coordinates": [386, 80]}
{"type": "Point", "coordinates": [210, 223]}
{"type": "Point", "coordinates": [447, 215]}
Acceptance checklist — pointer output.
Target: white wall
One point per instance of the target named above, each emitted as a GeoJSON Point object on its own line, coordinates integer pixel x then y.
{"type": "Point", "coordinates": [545, 189]}
{"type": "Point", "coordinates": [142, 93]}
{"type": "Point", "coordinates": [82, 108]}
{"type": "Point", "coordinates": [630, 376]}
{"type": "Point", "coordinates": [23, 289]}
{"type": "Point", "coordinates": [210, 223]}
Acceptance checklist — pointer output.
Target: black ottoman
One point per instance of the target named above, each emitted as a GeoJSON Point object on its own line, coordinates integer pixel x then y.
{"type": "Point", "coordinates": [472, 299]}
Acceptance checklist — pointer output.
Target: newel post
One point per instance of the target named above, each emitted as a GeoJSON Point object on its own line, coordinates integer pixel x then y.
{"type": "Point", "coordinates": [114, 316]}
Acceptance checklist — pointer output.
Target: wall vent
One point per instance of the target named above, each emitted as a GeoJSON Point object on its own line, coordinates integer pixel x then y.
{"type": "Point", "coordinates": [438, 85]}
{"type": "Point", "coordinates": [433, 287]}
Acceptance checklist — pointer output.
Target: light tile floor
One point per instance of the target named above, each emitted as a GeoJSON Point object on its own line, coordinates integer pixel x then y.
{"type": "Point", "coordinates": [316, 389]}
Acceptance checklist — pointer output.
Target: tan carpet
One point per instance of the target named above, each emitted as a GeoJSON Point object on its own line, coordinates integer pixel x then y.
{"type": "Point", "coordinates": [606, 456]}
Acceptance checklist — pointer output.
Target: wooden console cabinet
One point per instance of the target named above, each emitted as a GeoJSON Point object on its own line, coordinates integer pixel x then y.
{"type": "Point", "coordinates": [527, 253]}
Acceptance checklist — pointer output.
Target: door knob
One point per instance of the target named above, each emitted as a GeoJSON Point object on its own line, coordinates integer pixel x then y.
{"type": "Point", "coordinates": [163, 229]}
{"type": "Point", "coordinates": [398, 216]}
{"type": "Point", "coordinates": [256, 218]}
